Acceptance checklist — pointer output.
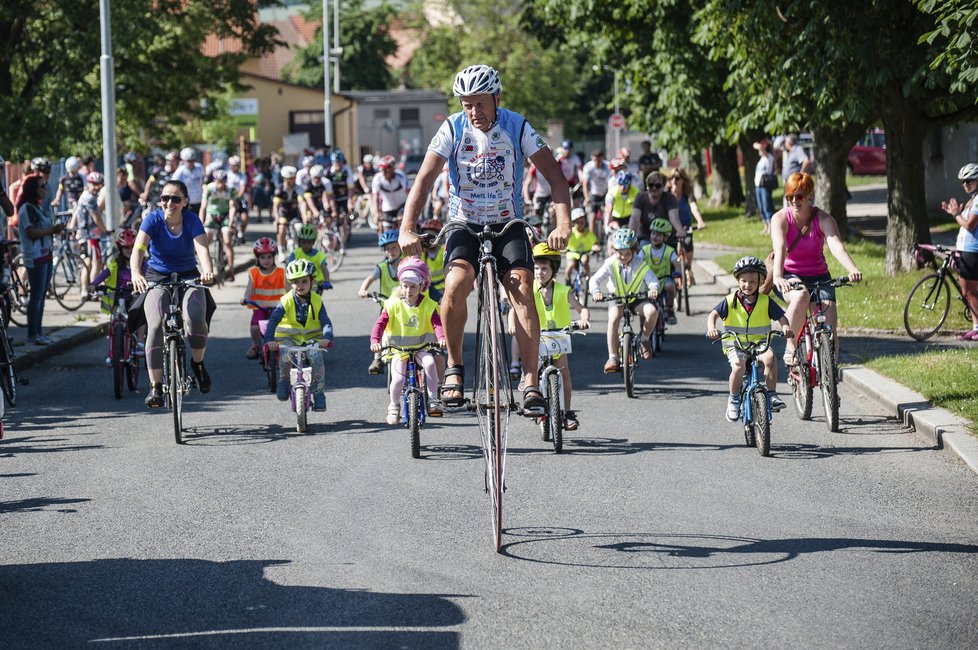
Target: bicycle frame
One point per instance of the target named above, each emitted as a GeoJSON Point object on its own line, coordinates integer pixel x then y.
{"type": "Point", "coordinates": [815, 324]}
{"type": "Point", "coordinates": [300, 374]}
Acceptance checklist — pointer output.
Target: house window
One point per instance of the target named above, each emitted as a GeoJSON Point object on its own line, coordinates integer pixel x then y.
{"type": "Point", "coordinates": [410, 116]}
{"type": "Point", "coordinates": [382, 113]}
{"type": "Point", "coordinates": [307, 117]}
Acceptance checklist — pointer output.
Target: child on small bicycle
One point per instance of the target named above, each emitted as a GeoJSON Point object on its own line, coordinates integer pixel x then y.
{"type": "Point", "coordinates": [554, 303]}
{"type": "Point", "coordinates": [117, 274]}
{"type": "Point", "coordinates": [386, 272]}
{"type": "Point", "coordinates": [300, 319]}
{"type": "Point", "coordinates": [664, 262]}
{"type": "Point", "coordinates": [626, 273]}
{"type": "Point", "coordinates": [266, 286]}
{"type": "Point", "coordinates": [581, 244]}
{"type": "Point", "coordinates": [307, 236]}
{"type": "Point", "coordinates": [409, 319]}
{"type": "Point", "coordinates": [736, 311]}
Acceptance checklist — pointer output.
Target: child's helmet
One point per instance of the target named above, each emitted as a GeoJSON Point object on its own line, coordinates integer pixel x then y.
{"type": "Point", "coordinates": [749, 263]}
{"type": "Point", "coordinates": [623, 238]}
{"type": "Point", "coordinates": [578, 213]}
{"type": "Point", "coordinates": [308, 232]}
{"type": "Point", "coordinates": [624, 179]}
{"type": "Point", "coordinates": [187, 154]}
{"type": "Point", "coordinates": [299, 269]}
{"type": "Point", "coordinates": [662, 226]}
{"type": "Point", "coordinates": [389, 237]}
{"type": "Point", "coordinates": [430, 224]}
{"type": "Point", "coordinates": [542, 251]}
{"type": "Point", "coordinates": [265, 246]}
{"type": "Point", "coordinates": [126, 238]}
{"type": "Point", "coordinates": [288, 171]}
{"type": "Point", "coordinates": [385, 162]}
{"type": "Point", "coordinates": [220, 175]}
{"type": "Point", "coordinates": [316, 171]}
{"type": "Point", "coordinates": [73, 164]}
{"type": "Point", "coordinates": [414, 266]}
{"type": "Point", "coordinates": [337, 156]}
{"type": "Point", "coordinates": [96, 178]}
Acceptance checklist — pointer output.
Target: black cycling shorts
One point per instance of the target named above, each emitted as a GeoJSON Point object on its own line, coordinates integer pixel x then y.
{"type": "Point", "coordinates": [673, 241]}
{"type": "Point", "coordinates": [968, 265]}
{"type": "Point", "coordinates": [597, 202]}
{"type": "Point", "coordinates": [390, 216]}
{"type": "Point", "coordinates": [512, 250]}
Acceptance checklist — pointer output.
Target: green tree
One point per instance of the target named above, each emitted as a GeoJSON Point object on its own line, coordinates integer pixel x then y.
{"type": "Point", "coordinates": [49, 68]}
{"type": "Point", "coordinates": [956, 37]}
{"type": "Point", "coordinates": [366, 42]}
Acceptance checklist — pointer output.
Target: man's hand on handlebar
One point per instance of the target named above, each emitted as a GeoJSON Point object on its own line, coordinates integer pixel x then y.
{"type": "Point", "coordinates": [598, 296]}
{"type": "Point", "coordinates": [559, 236]}
{"type": "Point", "coordinates": [410, 243]}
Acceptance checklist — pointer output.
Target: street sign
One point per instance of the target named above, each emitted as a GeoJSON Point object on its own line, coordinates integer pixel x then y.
{"type": "Point", "coordinates": [616, 122]}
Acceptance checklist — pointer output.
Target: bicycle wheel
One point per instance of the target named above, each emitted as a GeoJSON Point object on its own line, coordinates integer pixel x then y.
{"type": "Point", "coordinates": [762, 424]}
{"type": "Point", "coordinates": [5, 308]}
{"type": "Point", "coordinates": [801, 386]}
{"type": "Point", "coordinates": [217, 255]}
{"type": "Point", "coordinates": [827, 380]}
{"type": "Point", "coordinates": [118, 362]}
{"type": "Point", "coordinates": [927, 307]}
{"type": "Point", "coordinates": [684, 291]}
{"type": "Point", "coordinates": [18, 292]}
{"type": "Point", "coordinates": [300, 408]}
{"type": "Point", "coordinates": [8, 374]}
{"type": "Point", "coordinates": [491, 384]}
{"type": "Point", "coordinates": [66, 282]}
{"type": "Point", "coordinates": [414, 422]}
{"type": "Point", "coordinates": [132, 370]}
{"type": "Point", "coordinates": [627, 362]}
{"type": "Point", "coordinates": [271, 371]}
{"type": "Point", "coordinates": [334, 249]}
{"type": "Point", "coordinates": [175, 387]}
{"type": "Point", "coordinates": [554, 413]}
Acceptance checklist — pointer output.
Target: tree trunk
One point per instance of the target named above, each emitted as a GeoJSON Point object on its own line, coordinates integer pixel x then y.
{"type": "Point", "coordinates": [727, 189]}
{"type": "Point", "coordinates": [832, 147]}
{"type": "Point", "coordinates": [907, 224]}
{"type": "Point", "coordinates": [698, 172]}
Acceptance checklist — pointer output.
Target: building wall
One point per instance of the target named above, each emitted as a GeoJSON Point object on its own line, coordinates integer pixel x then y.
{"type": "Point", "coordinates": [945, 152]}
{"type": "Point", "coordinates": [383, 124]}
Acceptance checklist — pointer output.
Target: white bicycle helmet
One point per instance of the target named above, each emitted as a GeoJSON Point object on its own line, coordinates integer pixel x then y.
{"type": "Point", "coordinates": [968, 173]}
{"type": "Point", "coordinates": [316, 171]}
{"type": "Point", "coordinates": [73, 164]}
{"type": "Point", "coordinates": [288, 171]}
{"type": "Point", "coordinates": [187, 154]}
{"type": "Point", "coordinates": [476, 80]}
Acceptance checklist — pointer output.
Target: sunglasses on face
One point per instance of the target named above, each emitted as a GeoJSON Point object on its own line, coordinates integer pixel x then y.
{"type": "Point", "coordinates": [797, 197]}
{"type": "Point", "coordinates": [655, 186]}
{"type": "Point", "coordinates": [166, 198]}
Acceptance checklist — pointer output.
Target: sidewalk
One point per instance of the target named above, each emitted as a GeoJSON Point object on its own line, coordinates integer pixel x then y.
{"type": "Point", "coordinates": [867, 213]}
{"type": "Point", "coordinates": [946, 430]}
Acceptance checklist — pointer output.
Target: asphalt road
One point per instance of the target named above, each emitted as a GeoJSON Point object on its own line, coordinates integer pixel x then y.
{"type": "Point", "coordinates": [656, 528]}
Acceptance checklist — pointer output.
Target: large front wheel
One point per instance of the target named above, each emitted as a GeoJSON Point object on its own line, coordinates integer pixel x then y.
{"type": "Point", "coordinates": [414, 421]}
{"type": "Point", "coordinates": [762, 423]}
{"type": "Point", "coordinates": [300, 409]}
{"type": "Point", "coordinates": [176, 389]}
{"type": "Point", "coordinates": [927, 307]}
{"type": "Point", "coordinates": [627, 361]}
{"type": "Point", "coordinates": [555, 415]}
{"type": "Point", "coordinates": [827, 380]}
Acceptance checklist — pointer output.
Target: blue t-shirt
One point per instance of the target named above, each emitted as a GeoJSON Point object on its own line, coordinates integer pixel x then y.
{"type": "Point", "coordinates": [685, 212]}
{"type": "Point", "coordinates": [170, 253]}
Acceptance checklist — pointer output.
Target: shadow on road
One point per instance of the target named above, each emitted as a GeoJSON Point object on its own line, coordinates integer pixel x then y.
{"type": "Point", "coordinates": [671, 551]}
{"type": "Point", "coordinates": [218, 604]}
{"type": "Point", "coordinates": [39, 504]}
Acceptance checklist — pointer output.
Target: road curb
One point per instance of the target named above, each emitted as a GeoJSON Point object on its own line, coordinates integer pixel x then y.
{"type": "Point", "coordinates": [948, 431]}
{"type": "Point", "coordinates": [65, 339]}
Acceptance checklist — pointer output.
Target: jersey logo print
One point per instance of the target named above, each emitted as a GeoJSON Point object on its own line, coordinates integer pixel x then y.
{"type": "Point", "coordinates": [488, 169]}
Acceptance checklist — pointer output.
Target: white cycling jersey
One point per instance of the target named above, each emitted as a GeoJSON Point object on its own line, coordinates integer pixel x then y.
{"type": "Point", "coordinates": [486, 168]}
{"type": "Point", "coordinates": [596, 177]}
{"type": "Point", "coordinates": [393, 192]}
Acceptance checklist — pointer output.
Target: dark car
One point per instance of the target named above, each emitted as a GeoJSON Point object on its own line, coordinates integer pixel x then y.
{"type": "Point", "coordinates": [868, 157]}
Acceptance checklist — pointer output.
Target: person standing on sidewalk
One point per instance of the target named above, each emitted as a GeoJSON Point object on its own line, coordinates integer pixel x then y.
{"type": "Point", "coordinates": [966, 216]}
{"type": "Point", "coordinates": [36, 231]}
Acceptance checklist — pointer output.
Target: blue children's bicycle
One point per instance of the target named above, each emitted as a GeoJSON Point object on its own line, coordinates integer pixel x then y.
{"type": "Point", "coordinates": [755, 407]}
{"type": "Point", "coordinates": [414, 396]}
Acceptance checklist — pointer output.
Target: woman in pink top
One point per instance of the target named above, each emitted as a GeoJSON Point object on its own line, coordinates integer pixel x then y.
{"type": "Point", "coordinates": [799, 233]}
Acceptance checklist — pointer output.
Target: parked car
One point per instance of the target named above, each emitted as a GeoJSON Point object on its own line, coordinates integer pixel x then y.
{"type": "Point", "coordinates": [868, 157]}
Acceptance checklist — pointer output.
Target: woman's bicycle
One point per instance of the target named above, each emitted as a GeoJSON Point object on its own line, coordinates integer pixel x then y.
{"type": "Point", "coordinates": [492, 393]}
{"type": "Point", "coordinates": [929, 301]}
{"type": "Point", "coordinates": [122, 341]}
{"type": "Point", "coordinates": [815, 363]}
{"type": "Point", "coordinates": [755, 406]}
{"type": "Point", "coordinates": [176, 382]}
{"type": "Point", "coordinates": [552, 344]}
{"type": "Point", "coordinates": [628, 341]}
{"type": "Point", "coordinates": [414, 396]}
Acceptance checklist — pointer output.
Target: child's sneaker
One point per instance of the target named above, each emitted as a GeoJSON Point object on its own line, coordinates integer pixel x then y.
{"type": "Point", "coordinates": [393, 414]}
{"type": "Point", "coordinates": [434, 407]}
{"type": "Point", "coordinates": [282, 390]}
{"type": "Point", "coordinates": [319, 402]}
{"type": "Point", "coordinates": [777, 403]}
{"type": "Point", "coordinates": [733, 408]}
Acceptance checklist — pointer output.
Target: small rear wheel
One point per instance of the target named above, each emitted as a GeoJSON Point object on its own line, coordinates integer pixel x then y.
{"type": "Point", "coordinates": [684, 291]}
{"type": "Point", "coordinates": [66, 282]}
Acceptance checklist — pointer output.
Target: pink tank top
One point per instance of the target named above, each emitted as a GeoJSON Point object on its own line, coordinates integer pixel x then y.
{"type": "Point", "coordinates": [807, 257]}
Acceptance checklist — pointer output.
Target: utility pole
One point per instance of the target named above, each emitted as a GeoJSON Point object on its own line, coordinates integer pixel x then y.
{"type": "Point", "coordinates": [327, 92]}
{"type": "Point", "coordinates": [107, 71]}
{"type": "Point", "coordinates": [337, 50]}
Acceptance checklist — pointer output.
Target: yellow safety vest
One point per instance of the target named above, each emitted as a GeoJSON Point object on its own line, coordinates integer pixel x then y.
{"type": "Point", "coordinates": [580, 243]}
{"type": "Point", "coordinates": [436, 265]}
{"type": "Point", "coordinates": [290, 327]}
{"type": "Point", "coordinates": [317, 259]}
{"type": "Point", "coordinates": [408, 326]}
{"type": "Point", "coordinates": [661, 265]}
{"type": "Point", "coordinates": [111, 282]}
{"type": "Point", "coordinates": [557, 315]}
{"type": "Point", "coordinates": [388, 278]}
{"type": "Point", "coordinates": [267, 289]}
{"type": "Point", "coordinates": [738, 320]}
{"type": "Point", "coordinates": [621, 205]}
{"type": "Point", "coordinates": [635, 285]}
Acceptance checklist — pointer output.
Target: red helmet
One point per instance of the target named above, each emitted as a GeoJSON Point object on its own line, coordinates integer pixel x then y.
{"type": "Point", "coordinates": [126, 238]}
{"type": "Point", "coordinates": [430, 224]}
{"type": "Point", "coordinates": [385, 162]}
{"type": "Point", "coordinates": [414, 265]}
{"type": "Point", "coordinates": [95, 178]}
{"type": "Point", "coordinates": [265, 246]}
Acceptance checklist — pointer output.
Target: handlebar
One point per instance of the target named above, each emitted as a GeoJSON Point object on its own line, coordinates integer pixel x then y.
{"type": "Point", "coordinates": [573, 329]}
{"type": "Point", "coordinates": [623, 298]}
{"type": "Point", "coordinates": [815, 286]}
{"type": "Point", "coordinates": [751, 347]}
{"type": "Point", "coordinates": [430, 347]}
{"type": "Point", "coordinates": [377, 297]}
{"type": "Point", "coordinates": [481, 232]}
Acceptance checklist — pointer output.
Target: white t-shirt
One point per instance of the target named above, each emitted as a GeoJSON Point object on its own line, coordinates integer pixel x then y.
{"type": "Point", "coordinates": [596, 177]}
{"type": "Point", "coordinates": [485, 169]}
{"type": "Point", "coordinates": [393, 192]}
{"type": "Point", "coordinates": [764, 166]}
{"type": "Point", "coordinates": [193, 179]}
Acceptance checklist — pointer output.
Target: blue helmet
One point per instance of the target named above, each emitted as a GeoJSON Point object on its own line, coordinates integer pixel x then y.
{"type": "Point", "coordinates": [389, 237]}
{"type": "Point", "coordinates": [623, 238]}
{"type": "Point", "coordinates": [337, 156]}
{"type": "Point", "coordinates": [624, 179]}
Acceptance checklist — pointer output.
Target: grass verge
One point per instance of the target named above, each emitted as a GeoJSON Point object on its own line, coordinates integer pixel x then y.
{"type": "Point", "coordinates": [945, 377]}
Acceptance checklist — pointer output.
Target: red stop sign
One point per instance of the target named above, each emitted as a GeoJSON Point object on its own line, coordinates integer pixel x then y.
{"type": "Point", "coordinates": [616, 121]}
